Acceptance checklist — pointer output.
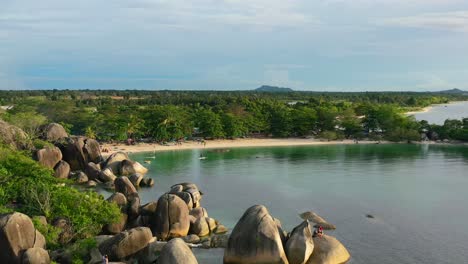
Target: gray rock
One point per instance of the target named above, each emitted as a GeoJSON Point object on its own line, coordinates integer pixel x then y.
{"type": "Point", "coordinates": [17, 234]}
{"type": "Point", "coordinates": [129, 167]}
{"type": "Point", "coordinates": [39, 240]}
{"type": "Point", "coordinates": [300, 244]}
{"type": "Point", "coordinates": [14, 136]}
{"type": "Point", "coordinates": [171, 218]}
{"type": "Point", "coordinates": [114, 160]}
{"type": "Point", "coordinates": [106, 175]}
{"type": "Point", "coordinates": [318, 220]}
{"type": "Point", "coordinates": [135, 179]}
{"type": "Point", "coordinates": [35, 256]}
{"type": "Point", "coordinates": [255, 239]}
{"type": "Point", "coordinates": [62, 170]}
{"type": "Point", "coordinates": [193, 239]}
{"type": "Point", "coordinates": [123, 185]}
{"type": "Point", "coordinates": [126, 243]}
{"type": "Point", "coordinates": [177, 252]}
{"type": "Point", "coordinates": [52, 132]}
{"type": "Point", "coordinates": [328, 250]}
{"type": "Point", "coordinates": [49, 157]}
{"type": "Point", "coordinates": [79, 151]}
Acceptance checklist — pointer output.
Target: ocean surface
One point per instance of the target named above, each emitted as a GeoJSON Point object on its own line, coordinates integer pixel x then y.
{"type": "Point", "coordinates": [417, 193]}
{"type": "Point", "coordinates": [439, 113]}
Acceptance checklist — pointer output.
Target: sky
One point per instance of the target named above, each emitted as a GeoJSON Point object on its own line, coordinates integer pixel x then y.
{"type": "Point", "coordinates": [323, 45]}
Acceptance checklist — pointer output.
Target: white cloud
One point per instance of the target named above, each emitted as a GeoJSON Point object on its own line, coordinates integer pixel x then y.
{"type": "Point", "coordinates": [450, 21]}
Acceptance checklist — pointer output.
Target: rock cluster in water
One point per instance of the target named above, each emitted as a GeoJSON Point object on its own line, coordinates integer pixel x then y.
{"type": "Point", "coordinates": [162, 231]}
{"type": "Point", "coordinates": [259, 238]}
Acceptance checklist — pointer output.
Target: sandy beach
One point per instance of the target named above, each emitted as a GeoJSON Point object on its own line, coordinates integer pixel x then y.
{"type": "Point", "coordinates": [226, 143]}
{"type": "Point", "coordinates": [424, 110]}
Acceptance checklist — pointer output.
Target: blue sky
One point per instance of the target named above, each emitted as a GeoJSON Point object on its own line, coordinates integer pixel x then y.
{"type": "Point", "coordinates": [327, 45]}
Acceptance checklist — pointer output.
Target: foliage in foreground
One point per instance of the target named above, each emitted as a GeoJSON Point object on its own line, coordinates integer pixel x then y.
{"type": "Point", "coordinates": [27, 187]}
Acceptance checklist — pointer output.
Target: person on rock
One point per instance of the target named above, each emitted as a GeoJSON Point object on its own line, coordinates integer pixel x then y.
{"type": "Point", "coordinates": [318, 232]}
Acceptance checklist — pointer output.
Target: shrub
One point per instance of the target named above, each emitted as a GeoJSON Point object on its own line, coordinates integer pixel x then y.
{"type": "Point", "coordinates": [34, 191]}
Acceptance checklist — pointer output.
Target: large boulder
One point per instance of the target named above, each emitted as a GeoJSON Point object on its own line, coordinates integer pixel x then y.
{"type": "Point", "coordinates": [136, 179]}
{"type": "Point", "coordinates": [177, 252]}
{"type": "Point", "coordinates": [14, 136]}
{"type": "Point", "coordinates": [35, 256]}
{"type": "Point", "coordinates": [79, 177]}
{"type": "Point", "coordinates": [49, 157]}
{"type": "Point", "coordinates": [255, 239]}
{"type": "Point", "coordinates": [300, 244]}
{"type": "Point", "coordinates": [129, 167]}
{"type": "Point", "coordinates": [17, 234]}
{"type": "Point", "coordinates": [114, 160]}
{"type": "Point", "coordinates": [120, 200]}
{"type": "Point", "coordinates": [328, 250]}
{"type": "Point", "coordinates": [39, 240]}
{"type": "Point", "coordinates": [92, 170]}
{"type": "Point", "coordinates": [124, 186]}
{"type": "Point", "coordinates": [79, 151]}
{"type": "Point", "coordinates": [52, 132]}
{"type": "Point", "coordinates": [318, 220]}
{"type": "Point", "coordinates": [171, 218]}
{"type": "Point", "coordinates": [189, 192]}
{"type": "Point", "coordinates": [106, 175]}
{"type": "Point", "coordinates": [62, 170]}
{"type": "Point", "coordinates": [133, 206]}
{"type": "Point", "coordinates": [125, 244]}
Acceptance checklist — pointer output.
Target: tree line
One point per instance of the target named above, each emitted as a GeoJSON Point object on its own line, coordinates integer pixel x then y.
{"type": "Point", "coordinates": [174, 115]}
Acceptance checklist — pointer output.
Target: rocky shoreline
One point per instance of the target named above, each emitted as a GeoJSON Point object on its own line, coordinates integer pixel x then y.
{"type": "Point", "coordinates": [162, 231]}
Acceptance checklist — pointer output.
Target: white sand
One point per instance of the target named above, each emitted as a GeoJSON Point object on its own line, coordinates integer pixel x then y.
{"type": "Point", "coordinates": [236, 143]}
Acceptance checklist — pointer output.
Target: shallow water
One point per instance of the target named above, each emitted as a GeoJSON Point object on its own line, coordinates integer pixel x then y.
{"type": "Point", "coordinates": [439, 113]}
{"type": "Point", "coordinates": [416, 192]}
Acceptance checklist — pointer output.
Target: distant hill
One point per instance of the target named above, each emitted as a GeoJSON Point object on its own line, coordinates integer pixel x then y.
{"type": "Point", "coordinates": [454, 91]}
{"type": "Point", "coordinates": [273, 89]}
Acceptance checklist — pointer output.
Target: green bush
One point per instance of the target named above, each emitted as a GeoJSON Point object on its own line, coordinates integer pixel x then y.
{"type": "Point", "coordinates": [40, 144]}
{"type": "Point", "coordinates": [34, 191]}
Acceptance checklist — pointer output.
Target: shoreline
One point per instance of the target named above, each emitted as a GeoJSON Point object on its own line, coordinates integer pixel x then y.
{"type": "Point", "coordinates": [227, 143]}
{"type": "Point", "coordinates": [424, 110]}
{"type": "Point", "coordinates": [429, 108]}
{"type": "Point", "coordinates": [246, 143]}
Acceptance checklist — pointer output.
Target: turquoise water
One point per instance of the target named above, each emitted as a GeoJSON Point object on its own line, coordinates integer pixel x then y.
{"type": "Point", "coordinates": [418, 194]}
{"type": "Point", "coordinates": [439, 113]}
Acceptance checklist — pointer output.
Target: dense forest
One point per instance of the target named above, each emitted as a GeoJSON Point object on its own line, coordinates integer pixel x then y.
{"type": "Point", "coordinates": [163, 116]}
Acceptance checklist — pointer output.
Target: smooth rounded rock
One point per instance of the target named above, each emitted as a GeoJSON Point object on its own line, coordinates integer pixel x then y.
{"type": "Point", "coordinates": [126, 243]}
{"type": "Point", "coordinates": [35, 256]}
{"type": "Point", "coordinates": [328, 250]}
{"type": "Point", "coordinates": [171, 218]}
{"type": "Point", "coordinates": [177, 252]}
{"type": "Point", "coordinates": [17, 233]}
{"type": "Point", "coordinates": [62, 170]}
{"type": "Point", "coordinates": [300, 244]}
{"type": "Point", "coordinates": [49, 157]}
{"type": "Point", "coordinates": [255, 239]}
{"type": "Point", "coordinates": [123, 185]}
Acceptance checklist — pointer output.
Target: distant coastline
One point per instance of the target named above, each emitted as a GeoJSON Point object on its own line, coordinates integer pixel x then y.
{"type": "Point", "coordinates": [429, 108]}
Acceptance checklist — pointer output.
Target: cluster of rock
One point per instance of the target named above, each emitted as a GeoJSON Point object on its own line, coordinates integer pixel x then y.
{"type": "Point", "coordinates": [259, 238]}
{"type": "Point", "coordinates": [79, 158]}
{"type": "Point", "coordinates": [20, 242]}
{"type": "Point", "coordinates": [13, 136]}
{"type": "Point", "coordinates": [162, 230]}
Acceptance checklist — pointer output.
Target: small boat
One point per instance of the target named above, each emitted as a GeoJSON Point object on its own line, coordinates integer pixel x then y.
{"type": "Point", "coordinates": [202, 158]}
{"type": "Point", "coordinates": [148, 161]}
